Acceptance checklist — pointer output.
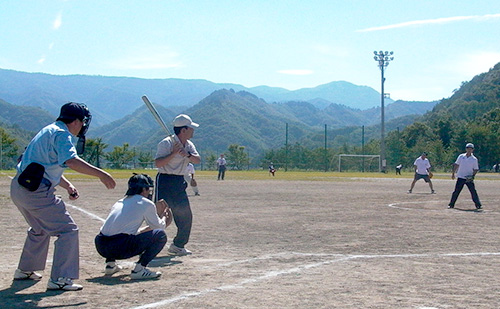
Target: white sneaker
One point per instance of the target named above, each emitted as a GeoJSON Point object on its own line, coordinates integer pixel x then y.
{"type": "Point", "coordinates": [63, 283]}
{"type": "Point", "coordinates": [109, 270]}
{"type": "Point", "coordinates": [174, 250]}
{"type": "Point", "coordinates": [145, 274]}
{"type": "Point", "coordinates": [21, 275]}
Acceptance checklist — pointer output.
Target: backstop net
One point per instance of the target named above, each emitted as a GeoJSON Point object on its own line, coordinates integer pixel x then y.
{"type": "Point", "coordinates": [359, 163]}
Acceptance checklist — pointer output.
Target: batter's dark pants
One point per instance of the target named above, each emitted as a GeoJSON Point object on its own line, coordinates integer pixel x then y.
{"type": "Point", "coordinates": [123, 246]}
{"type": "Point", "coordinates": [458, 188]}
{"type": "Point", "coordinates": [172, 188]}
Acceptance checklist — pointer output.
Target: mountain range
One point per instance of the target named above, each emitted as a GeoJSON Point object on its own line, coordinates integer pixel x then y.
{"type": "Point", "coordinates": [228, 113]}
{"type": "Point", "coordinates": [111, 98]}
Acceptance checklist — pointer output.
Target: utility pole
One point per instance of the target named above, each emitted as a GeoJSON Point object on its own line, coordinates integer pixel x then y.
{"type": "Point", "coordinates": [363, 147]}
{"type": "Point", "coordinates": [286, 147]}
{"type": "Point", "coordinates": [383, 59]}
{"type": "Point", "coordinates": [326, 150]}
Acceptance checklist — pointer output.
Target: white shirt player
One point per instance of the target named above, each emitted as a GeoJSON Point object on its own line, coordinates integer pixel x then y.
{"type": "Point", "coordinates": [422, 166]}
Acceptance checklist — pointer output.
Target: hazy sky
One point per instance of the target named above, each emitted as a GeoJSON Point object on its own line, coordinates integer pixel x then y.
{"type": "Point", "coordinates": [291, 44]}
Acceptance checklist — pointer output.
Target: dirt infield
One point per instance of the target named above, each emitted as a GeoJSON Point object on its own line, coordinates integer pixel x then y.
{"type": "Point", "coordinates": [340, 243]}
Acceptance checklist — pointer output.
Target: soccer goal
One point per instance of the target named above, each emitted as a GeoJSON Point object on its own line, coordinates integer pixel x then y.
{"type": "Point", "coordinates": [359, 163]}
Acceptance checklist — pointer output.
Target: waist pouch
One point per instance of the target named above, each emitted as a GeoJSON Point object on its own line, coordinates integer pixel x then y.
{"type": "Point", "coordinates": [32, 176]}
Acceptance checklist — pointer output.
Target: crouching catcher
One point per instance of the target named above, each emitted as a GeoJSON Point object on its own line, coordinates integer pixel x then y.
{"type": "Point", "coordinates": [121, 236]}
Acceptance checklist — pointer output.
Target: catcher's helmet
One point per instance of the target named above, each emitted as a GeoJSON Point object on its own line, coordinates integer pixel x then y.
{"type": "Point", "coordinates": [138, 182]}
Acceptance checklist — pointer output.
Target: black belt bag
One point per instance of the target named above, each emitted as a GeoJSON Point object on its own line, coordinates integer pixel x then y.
{"type": "Point", "coordinates": [32, 176]}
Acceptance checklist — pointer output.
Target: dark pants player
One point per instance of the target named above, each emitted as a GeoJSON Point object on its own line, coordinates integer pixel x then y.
{"type": "Point", "coordinates": [172, 188]}
{"type": "Point", "coordinates": [458, 188]}
{"type": "Point", "coordinates": [124, 246]}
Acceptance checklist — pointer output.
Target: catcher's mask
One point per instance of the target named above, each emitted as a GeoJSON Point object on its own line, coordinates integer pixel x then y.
{"type": "Point", "coordinates": [138, 182]}
{"type": "Point", "coordinates": [71, 111]}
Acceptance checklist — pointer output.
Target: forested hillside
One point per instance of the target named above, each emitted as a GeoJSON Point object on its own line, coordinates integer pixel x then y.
{"type": "Point", "coordinates": [471, 114]}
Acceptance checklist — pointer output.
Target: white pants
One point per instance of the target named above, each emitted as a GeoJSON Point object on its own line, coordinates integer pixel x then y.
{"type": "Point", "coordinates": [188, 178]}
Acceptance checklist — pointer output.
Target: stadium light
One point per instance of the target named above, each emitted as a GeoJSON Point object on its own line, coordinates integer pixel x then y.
{"type": "Point", "coordinates": [383, 59]}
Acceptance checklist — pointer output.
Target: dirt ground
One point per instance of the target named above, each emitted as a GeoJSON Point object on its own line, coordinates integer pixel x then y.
{"type": "Point", "coordinates": [340, 243]}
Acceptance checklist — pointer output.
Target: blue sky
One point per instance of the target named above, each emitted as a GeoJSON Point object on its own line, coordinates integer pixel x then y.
{"type": "Point", "coordinates": [291, 44]}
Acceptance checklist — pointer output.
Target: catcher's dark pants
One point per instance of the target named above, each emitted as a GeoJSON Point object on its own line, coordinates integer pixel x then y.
{"type": "Point", "coordinates": [458, 188]}
{"type": "Point", "coordinates": [172, 188]}
{"type": "Point", "coordinates": [124, 246]}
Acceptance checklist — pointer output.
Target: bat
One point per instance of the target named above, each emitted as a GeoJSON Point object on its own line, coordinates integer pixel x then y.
{"type": "Point", "coordinates": [157, 116]}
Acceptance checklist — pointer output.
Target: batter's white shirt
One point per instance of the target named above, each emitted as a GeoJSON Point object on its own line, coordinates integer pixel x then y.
{"type": "Point", "coordinates": [422, 166]}
{"type": "Point", "coordinates": [466, 165]}
{"type": "Point", "coordinates": [177, 165]}
{"type": "Point", "coordinates": [128, 214]}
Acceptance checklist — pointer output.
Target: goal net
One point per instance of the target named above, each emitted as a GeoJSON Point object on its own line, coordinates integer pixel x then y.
{"type": "Point", "coordinates": [359, 163]}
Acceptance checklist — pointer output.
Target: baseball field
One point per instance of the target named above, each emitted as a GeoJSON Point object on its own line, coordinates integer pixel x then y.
{"type": "Point", "coordinates": [297, 240]}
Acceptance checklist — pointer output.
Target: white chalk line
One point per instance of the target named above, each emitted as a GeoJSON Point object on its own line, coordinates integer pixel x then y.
{"type": "Point", "coordinates": [86, 212]}
{"type": "Point", "coordinates": [444, 208]}
{"type": "Point", "coordinates": [298, 269]}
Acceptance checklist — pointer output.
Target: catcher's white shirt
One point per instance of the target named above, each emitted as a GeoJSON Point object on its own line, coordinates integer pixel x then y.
{"type": "Point", "coordinates": [128, 214]}
{"type": "Point", "coordinates": [466, 165]}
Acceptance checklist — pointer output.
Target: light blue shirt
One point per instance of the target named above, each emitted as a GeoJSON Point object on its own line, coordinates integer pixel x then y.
{"type": "Point", "coordinates": [51, 147]}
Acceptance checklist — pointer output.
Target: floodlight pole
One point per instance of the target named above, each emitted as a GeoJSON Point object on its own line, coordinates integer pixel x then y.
{"type": "Point", "coordinates": [383, 59]}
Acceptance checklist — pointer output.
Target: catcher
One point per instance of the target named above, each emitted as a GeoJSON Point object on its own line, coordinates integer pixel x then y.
{"type": "Point", "coordinates": [121, 236]}
{"type": "Point", "coordinates": [466, 166]}
{"type": "Point", "coordinates": [422, 171]}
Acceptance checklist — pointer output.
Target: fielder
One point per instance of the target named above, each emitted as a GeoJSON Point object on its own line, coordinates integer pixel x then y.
{"type": "Point", "coordinates": [466, 166]}
{"type": "Point", "coordinates": [422, 171]}
{"type": "Point", "coordinates": [221, 167]}
{"type": "Point", "coordinates": [189, 178]}
{"type": "Point", "coordinates": [32, 191]}
{"type": "Point", "coordinates": [121, 236]}
{"type": "Point", "coordinates": [173, 154]}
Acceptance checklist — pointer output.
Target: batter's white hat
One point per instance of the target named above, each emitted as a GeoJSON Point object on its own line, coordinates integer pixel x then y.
{"type": "Point", "coordinates": [184, 120]}
{"type": "Point", "coordinates": [469, 145]}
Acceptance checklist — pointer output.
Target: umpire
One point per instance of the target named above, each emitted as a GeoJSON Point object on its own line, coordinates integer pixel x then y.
{"type": "Point", "coordinates": [32, 191]}
{"type": "Point", "coordinates": [173, 154]}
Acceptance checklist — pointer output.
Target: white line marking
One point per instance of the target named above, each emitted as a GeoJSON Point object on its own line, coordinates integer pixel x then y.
{"type": "Point", "coordinates": [273, 274]}
{"type": "Point", "coordinates": [86, 212]}
{"type": "Point", "coordinates": [442, 208]}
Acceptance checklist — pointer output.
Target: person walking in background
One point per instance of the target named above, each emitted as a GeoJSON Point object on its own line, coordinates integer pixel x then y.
{"type": "Point", "coordinates": [398, 169]}
{"type": "Point", "coordinates": [466, 167]}
{"type": "Point", "coordinates": [189, 177]}
{"type": "Point", "coordinates": [32, 190]}
{"type": "Point", "coordinates": [221, 167]}
{"type": "Point", "coordinates": [272, 170]}
{"type": "Point", "coordinates": [173, 155]}
{"type": "Point", "coordinates": [121, 236]}
{"type": "Point", "coordinates": [422, 171]}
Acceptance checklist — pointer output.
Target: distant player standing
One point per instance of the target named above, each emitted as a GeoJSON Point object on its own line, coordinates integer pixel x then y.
{"type": "Point", "coordinates": [422, 171]}
{"type": "Point", "coordinates": [173, 154]}
{"type": "Point", "coordinates": [466, 166]}
{"type": "Point", "coordinates": [221, 167]}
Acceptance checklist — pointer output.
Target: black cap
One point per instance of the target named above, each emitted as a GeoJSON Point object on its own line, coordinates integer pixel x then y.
{"type": "Point", "coordinates": [71, 111]}
{"type": "Point", "coordinates": [137, 182]}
